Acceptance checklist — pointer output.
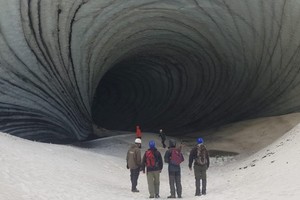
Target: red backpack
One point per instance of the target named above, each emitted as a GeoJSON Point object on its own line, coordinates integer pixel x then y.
{"type": "Point", "coordinates": [176, 157]}
{"type": "Point", "coordinates": [150, 159]}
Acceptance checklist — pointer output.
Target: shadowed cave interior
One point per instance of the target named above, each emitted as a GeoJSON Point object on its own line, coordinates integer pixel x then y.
{"type": "Point", "coordinates": [193, 69]}
{"type": "Point", "coordinates": [168, 84]}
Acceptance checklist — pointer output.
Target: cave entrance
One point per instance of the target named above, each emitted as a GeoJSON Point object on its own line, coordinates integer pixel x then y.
{"type": "Point", "coordinates": [131, 93]}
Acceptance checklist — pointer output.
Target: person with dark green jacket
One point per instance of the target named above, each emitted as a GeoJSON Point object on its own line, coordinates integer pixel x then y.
{"type": "Point", "coordinates": [133, 160]}
{"type": "Point", "coordinates": [199, 155]}
{"type": "Point", "coordinates": [152, 162]}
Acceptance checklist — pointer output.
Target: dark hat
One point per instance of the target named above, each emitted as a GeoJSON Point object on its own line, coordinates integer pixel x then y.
{"type": "Point", "coordinates": [172, 143]}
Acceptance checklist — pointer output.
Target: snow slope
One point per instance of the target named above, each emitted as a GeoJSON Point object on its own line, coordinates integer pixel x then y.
{"type": "Point", "coordinates": [38, 171]}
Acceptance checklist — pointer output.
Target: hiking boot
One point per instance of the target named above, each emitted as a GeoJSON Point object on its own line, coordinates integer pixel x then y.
{"type": "Point", "coordinates": [157, 196]}
{"type": "Point", "coordinates": [204, 193]}
{"type": "Point", "coordinates": [135, 190]}
{"type": "Point", "coordinates": [151, 197]}
{"type": "Point", "coordinates": [197, 194]}
{"type": "Point", "coordinates": [179, 196]}
{"type": "Point", "coordinates": [171, 197]}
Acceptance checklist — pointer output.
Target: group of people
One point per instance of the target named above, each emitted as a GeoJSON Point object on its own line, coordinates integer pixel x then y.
{"type": "Point", "coordinates": [162, 135]}
{"type": "Point", "coordinates": [152, 164]}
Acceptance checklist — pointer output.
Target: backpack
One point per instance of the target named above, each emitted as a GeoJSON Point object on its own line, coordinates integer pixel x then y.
{"type": "Point", "coordinates": [176, 157]}
{"type": "Point", "coordinates": [150, 158]}
{"type": "Point", "coordinates": [201, 158]}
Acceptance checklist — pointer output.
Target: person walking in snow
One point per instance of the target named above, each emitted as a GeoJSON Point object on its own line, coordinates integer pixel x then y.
{"type": "Point", "coordinates": [133, 160]}
{"type": "Point", "coordinates": [138, 132]}
{"type": "Point", "coordinates": [174, 157]}
{"type": "Point", "coordinates": [153, 163]}
{"type": "Point", "coordinates": [162, 135]}
{"type": "Point", "coordinates": [199, 155]}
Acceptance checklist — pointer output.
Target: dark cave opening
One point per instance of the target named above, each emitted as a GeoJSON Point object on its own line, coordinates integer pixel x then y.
{"type": "Point", "coordinates": [173, 88]}
{"type": "Point", "coordinates": [138, 90]}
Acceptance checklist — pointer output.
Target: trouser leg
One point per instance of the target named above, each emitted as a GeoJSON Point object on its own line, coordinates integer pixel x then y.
{"type": "Point", "coordinates": [150, 180]}
{"type": "Point", "coordinates": [203, 186]}
{"type": "Point", "coordinates": [178, 183]}
{"type": "Point", "coordinates": [163, 143]}
{"type": "Point", "coordinates": [172, 183]}
{"type": "Point", "coordinates": [197, 183]}
{"type": "Point", "coordinates": [203, 173]}
{"type": "Point", "coordinates": [134, 175]}
{"type": "Point", "coordinates": [156, 182]}
{"type": "Point", "coordinates": [197, 172]}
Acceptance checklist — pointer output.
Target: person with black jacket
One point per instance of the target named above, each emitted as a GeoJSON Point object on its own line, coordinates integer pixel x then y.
{"type": "Point", "coordinates": [153, 163]}
{"type": "Point", "coordinates": [199, 155]}
{"type": "Point", "coordinates": [174, 170]}
{"type": "Point", "coordinates": [162, 135]}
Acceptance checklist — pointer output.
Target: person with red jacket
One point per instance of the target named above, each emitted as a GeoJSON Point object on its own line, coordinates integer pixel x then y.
{"type": "Point", "coordinates": [138, 132]}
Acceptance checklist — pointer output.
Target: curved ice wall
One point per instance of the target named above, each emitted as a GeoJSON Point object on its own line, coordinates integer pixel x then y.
{"type": "Point", "coordinates": [181, 65]}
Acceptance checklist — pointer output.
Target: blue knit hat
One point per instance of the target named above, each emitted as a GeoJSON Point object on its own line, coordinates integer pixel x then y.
{"type": "Point", "coordinates": [151, 144]}
{"type": "Point", "coordinates": [199, 141]}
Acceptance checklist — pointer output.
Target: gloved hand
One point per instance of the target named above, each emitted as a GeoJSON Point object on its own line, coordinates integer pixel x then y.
{"type": "Point", "coordinates": [127, 166]}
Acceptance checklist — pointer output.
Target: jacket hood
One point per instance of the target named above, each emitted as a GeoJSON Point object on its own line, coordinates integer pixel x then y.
{"type": "Point", "coordinates": [153, 149]}
{"type": "Point", "coordinates": [134, 146]}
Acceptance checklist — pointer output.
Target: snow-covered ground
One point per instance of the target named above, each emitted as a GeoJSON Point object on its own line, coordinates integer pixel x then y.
{"type": "Point", "coordinates": [39, 171]}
